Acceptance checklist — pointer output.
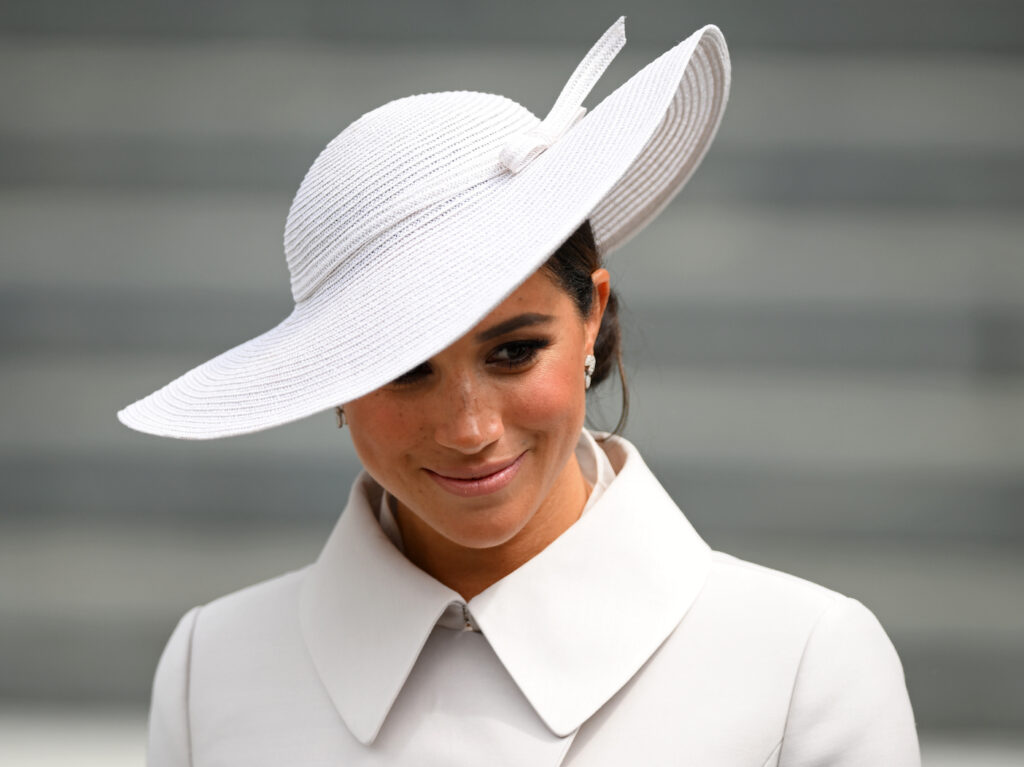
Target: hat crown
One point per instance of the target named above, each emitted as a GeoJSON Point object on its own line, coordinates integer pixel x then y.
{"type": "Point", "coordinates": [390, 163]}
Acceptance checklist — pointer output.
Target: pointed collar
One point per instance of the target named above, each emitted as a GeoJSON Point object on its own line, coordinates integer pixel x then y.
{"type": "Point", "coordinates": [571, 626]}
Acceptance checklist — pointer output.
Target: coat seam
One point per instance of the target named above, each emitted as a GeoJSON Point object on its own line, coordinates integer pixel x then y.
{"type": "Point", "coordinates": [188, 685]}
{"type": "Point", "coordinates": [799, 667]}
{"type": "Point", "coordinates": [774, 752]}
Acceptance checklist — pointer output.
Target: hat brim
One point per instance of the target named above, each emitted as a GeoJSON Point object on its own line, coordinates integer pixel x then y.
{"type": "Point", "coordinates": [370, 322]}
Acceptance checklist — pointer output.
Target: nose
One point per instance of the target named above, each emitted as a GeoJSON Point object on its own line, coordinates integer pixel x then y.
{"type": "Point", "coordinates": [468, 420]}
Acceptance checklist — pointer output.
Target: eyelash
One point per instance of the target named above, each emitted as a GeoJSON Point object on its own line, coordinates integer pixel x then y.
{"type": "Point", "coordinates": [527, 352]}
{"type": "Point", "coordinates": [528, 349]}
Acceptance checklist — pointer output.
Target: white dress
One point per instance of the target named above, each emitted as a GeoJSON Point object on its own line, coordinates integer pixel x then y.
{"type": "Point", "coordinates": [626, 641]}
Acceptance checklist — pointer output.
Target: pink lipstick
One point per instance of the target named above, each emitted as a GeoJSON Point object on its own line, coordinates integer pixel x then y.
{"type": "Point", "coordinates": [477, 480]}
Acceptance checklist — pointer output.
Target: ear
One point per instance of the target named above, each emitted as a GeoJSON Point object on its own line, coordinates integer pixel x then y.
{"type": "Point", "coordinates": [602, 289]}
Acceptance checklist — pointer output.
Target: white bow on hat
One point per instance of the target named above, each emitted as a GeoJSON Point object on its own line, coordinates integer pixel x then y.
{"type": "Point", "coordinates": [568, 109]}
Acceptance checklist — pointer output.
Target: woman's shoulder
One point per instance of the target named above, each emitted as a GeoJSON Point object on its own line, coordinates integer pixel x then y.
{"type": "Point", "coordinates": [207, 643]}
{"type": "Point", "coordinates": [819, 640]}
{"type": "Point", "coordinates": [782, 604]}
{"type": "Point", "coordinates": [742, 578]}
{"type": "Point", "coordinates": [247, 611]}
{"type": "Point", "coordinates": [822, 656]}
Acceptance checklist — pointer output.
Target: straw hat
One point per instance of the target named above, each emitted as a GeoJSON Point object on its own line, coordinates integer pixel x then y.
{"type": "Point", "coordinates": [425, 213]}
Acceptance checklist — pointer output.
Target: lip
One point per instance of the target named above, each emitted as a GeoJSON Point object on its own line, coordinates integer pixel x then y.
{"type": "Point", "coordinates": [478, 480]}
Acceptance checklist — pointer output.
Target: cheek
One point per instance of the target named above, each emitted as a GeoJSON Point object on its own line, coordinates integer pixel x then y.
{"type": "Point", "coordinates": [381, 432]}
{"type": "Point", "coordinates": [555, 395]}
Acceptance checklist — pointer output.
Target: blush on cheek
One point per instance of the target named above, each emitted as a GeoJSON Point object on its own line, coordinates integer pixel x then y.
{"type": "Point", "coordinates": [554, 395]}
{"type": "Point", "coordinates": [381, 434]}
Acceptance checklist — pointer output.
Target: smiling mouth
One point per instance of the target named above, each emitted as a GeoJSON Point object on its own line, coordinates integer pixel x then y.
{"type": "Point", "coordinates": [479, 480]}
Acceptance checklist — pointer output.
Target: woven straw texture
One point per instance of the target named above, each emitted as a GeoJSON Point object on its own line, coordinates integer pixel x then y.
{"type": "Point", "coordinates": [425, 213]}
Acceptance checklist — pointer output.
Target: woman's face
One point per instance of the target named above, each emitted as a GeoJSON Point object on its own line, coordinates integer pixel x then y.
{"type": "Point", "coordinates": [476, 442]}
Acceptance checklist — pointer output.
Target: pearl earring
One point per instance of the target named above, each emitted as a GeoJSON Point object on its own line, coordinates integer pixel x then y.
{"type": "Point", "coordinates": [589, 363]}
{"type": "Point", "coordinates": [339, 411]}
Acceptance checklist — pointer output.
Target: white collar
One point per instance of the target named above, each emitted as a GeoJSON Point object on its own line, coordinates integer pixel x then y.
{"type": "Point", "coordinates": [571, 626]}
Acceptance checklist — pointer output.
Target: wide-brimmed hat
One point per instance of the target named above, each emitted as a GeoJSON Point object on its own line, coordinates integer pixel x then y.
{"type": "Point", "coordinates": [425, 213]}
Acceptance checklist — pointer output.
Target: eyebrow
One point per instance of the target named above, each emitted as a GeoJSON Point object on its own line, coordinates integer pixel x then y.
{"type": "Point", "coordinates": [514, 323]}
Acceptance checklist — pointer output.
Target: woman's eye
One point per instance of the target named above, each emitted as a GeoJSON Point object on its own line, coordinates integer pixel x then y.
{"type": "Point", "coordinates": [411, 376]}
{"type": "Point", "coordinates": [517, 353]}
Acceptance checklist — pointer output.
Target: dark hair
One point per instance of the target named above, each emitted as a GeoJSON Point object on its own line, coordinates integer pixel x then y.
{"type": "Point", "coordinates": [571, 266]}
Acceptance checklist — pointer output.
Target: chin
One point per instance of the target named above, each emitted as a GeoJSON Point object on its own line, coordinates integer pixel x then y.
{"type": "Point", "coordinates": [487, 528]}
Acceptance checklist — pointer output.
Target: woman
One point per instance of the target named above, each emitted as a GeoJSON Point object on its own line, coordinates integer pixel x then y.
{"type": "Point", "coordinates": [503, 586]}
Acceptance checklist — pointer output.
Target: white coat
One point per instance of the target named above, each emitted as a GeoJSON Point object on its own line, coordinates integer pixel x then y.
{"type": "Point", "coordinates": [626, 641]}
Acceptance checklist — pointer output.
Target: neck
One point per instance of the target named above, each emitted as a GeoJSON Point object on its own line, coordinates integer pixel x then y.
{"type": "Point", "coordinates": [469, 571]}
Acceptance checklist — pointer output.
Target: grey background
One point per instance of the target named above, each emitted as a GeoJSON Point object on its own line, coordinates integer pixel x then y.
{"type": "Point", "coordinates": [825, 330]}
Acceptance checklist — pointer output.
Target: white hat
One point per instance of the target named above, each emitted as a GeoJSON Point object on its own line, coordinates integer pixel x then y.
{"type": "Point", "coordinates": [427, 212]}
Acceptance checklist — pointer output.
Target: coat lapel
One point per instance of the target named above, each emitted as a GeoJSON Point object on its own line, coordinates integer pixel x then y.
{"type": "Point", "coordinates": [365, 613]}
